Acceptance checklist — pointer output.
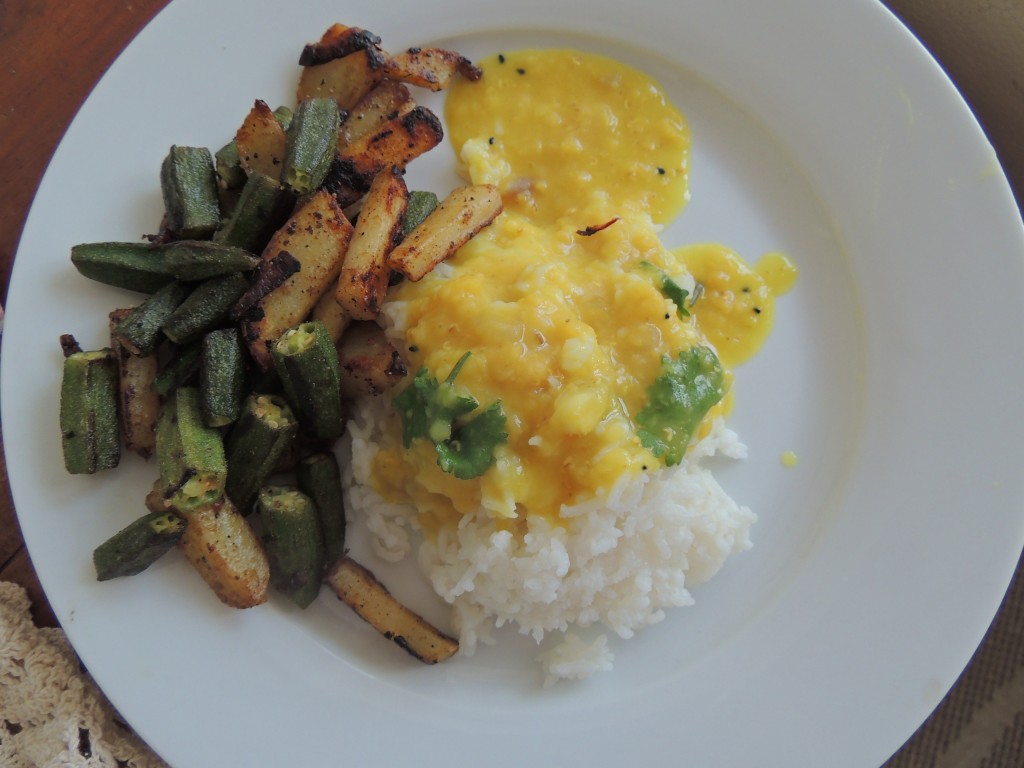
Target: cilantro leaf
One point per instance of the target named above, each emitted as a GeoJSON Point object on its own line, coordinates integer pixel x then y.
{"type": "Point", "coordinates": [670, 288]}
{"type": "Point", "coordinates": [427, 408]}
{"type": "Point", "coordinates": [412, 406]}
{"type": "Point", "coordinates": [447, 405]}
{"type": "Point", "coordinates": [678, 401]}
{"type": "Point", "coordinates": [677, 293]}
{"type": "Point", "coordinates": [470, 451]}
{"type": "Point", "coordinates": [431, 410]}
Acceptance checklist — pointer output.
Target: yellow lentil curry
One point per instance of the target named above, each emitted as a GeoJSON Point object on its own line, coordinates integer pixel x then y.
{"type": "Point", "coordinates": [563, 302]}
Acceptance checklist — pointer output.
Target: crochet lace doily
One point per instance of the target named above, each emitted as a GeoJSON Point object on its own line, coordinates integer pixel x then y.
{"type": "Point", "coordinates": [51, 712]}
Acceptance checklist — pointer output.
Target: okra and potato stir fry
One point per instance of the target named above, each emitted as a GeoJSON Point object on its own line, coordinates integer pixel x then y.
{"type": "Point", "coordinates": [257, 322]}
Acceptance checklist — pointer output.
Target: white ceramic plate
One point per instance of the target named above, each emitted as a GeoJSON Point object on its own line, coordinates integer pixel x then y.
{"type": "Point", "coordinates": [820, 129]}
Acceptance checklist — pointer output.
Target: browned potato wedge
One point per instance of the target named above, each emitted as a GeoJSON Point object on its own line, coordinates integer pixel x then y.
{"type": "Point", "coordinates": [139, 405]}
{"type": "Point", "coordinates": [359, 589]}
{"type": "Point", "coordinates": [370, 364]}
{"type": "Point", "coordinates": [395, 143]}
{"type": "Point", "coordinates": [431, 68]}
{"type": "Point", "coordinates": [317, 236]}
{"type": "Point", "coordinates": [223, 548]}
{"type": "Point", "coordinates": [388, 100]}
{"type": "Point", "coordinates": [458, 218]}
{"type": "Point", "coordinates": [338, 41]}
{"type": "Point", "coordinates": [261, 142]}
{"type": "Point", "coordinates": [346, 80]}
{"type": "Point", "coordinates": [334, 317]}
{"type": "Point", "coordinates": [270, 275]}
{"type": "Point", "coordinates": [363, 281]}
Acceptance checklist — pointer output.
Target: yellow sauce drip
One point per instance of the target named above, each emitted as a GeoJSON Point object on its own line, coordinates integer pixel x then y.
{"type": "Point", "coordinates": [566, 330]}
{"type": "Point", "coordinates": [789, 459]}
{"type": "Point", "coordinates": [736, 306]}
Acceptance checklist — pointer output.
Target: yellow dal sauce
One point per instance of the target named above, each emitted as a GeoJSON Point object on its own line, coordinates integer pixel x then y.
{"type": "Point", "coordinates": [736, 307]}
{"type": "Point", "coordinates": [566, 330]}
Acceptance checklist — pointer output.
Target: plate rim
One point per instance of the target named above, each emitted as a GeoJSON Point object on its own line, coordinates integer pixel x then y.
{"type": "Point", "coordinates": [17, 485]}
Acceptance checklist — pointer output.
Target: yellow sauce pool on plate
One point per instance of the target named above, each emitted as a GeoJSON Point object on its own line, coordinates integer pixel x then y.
{"type": "Point", "coordinates": [736, 306]}
{"type": "Point", "coordinates": [560, 131]}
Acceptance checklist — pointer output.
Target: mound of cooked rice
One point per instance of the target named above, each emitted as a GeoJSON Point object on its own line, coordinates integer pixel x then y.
{"type": "Point", "coordinates": [617, 561]}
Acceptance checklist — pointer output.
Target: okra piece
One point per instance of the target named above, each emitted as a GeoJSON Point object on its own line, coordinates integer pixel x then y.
{"type": "Point", "coordinates": [264, 432]}
{"type": "Point", "coordinates": [293, 542]}
{"type": "Point", "coordinates": [206, 308]}
{"type": "Point", "coordinates": [188, 183]}
{"type": "Point", "coordinates": [307, 362]}
{"type": "Point", "coordinates": [141, 331]}
{"type": "Point", "coordinates": [420, 205]}
{"type": "Point", "coordinates": [200, 260]}
{"type": "Point", "coordinates": [138, 545]}
{"type": "Point", "coordinates": [147, 268]}
{"type": "Point", "coordinates": [133, 266]}
{"type": "Point", "coordinates": [138, 404]}
{"type": "Point", "coordinates": [312, 141]}
{"type": "Point", "coordinates": [221, 377]}
{"type": "Point", "coordinates": [193, 468]}
{"type": "Point", "coordinates": [231, 177]}
{"type": "Point", "coordinates": [284, 116]}
{"type": "Point", "coordinates": [89, 423]}
{"type": "Point", "coordinates": [228, 165]}
{"type": "Point", "coordinates": [264, 382]}
{"type": "Point", "coordinates": [319, 477]}
{"type": "Point", "coordinates": [262, 209]}
{"type": "Point", "coordinates": [179, 369]}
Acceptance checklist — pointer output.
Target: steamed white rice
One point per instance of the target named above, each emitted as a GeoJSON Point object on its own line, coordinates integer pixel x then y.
{"type": "Point", "coordinates": [617, 562]}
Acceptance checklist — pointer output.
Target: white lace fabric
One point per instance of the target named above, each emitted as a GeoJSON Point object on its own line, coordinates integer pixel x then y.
{"type": "Point", "coordinates": [51, 712]}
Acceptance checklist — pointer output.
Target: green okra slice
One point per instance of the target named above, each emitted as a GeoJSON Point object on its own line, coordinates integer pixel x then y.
{"type": "Point", "coordinates": [133, 266]}
{"type": "Point", "coordinates": [264, 432]}
{"type": "Point", "coordinates": [307, 362]}
{"type": "Point", "coordinates": [221, 377]}
{"type": "Point", "coordinates": [284, 116]}
{"type": "Point", "coordinates": [293, 542]}
{"type": "Point", "coordinates": [200, 260]}
{"type": "Point", "coordinates": [193, 467]}
{"type": "Point", "coordinates": [421, 204]}
{"type": "Point", "coordinates": [231, 178]}
{"type": "Point", "coordinates": [262, 208]}
{"type": "Point", "coordinates": [265, 382]}
{"type": "Point", "coordinates": [138, 545]}
{"type": "Point", "coordinates": [188, 182]}
{"type": "Point", "coordinates": [312, 141]}
{"type": "Point", "coordinates": [179, 370]}
{"type": "Point", "coordinates": [228, 167]}
{"type": "Point", "coordinates": [147, 268]}
{"type": "Point", "coordinates": [319, 477]}
{"type": "Point", "coordinates": [206, 308]}
{"type": "Point", "coordinates": [140, 331]}
{"type": "Point", "coordinates": [138, 404]}
{"type": "Point", "coordinates": [89, 421]}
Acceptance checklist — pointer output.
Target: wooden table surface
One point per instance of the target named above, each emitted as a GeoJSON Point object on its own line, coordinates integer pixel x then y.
{"type": "Point", "coordinates": [52, 52]}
